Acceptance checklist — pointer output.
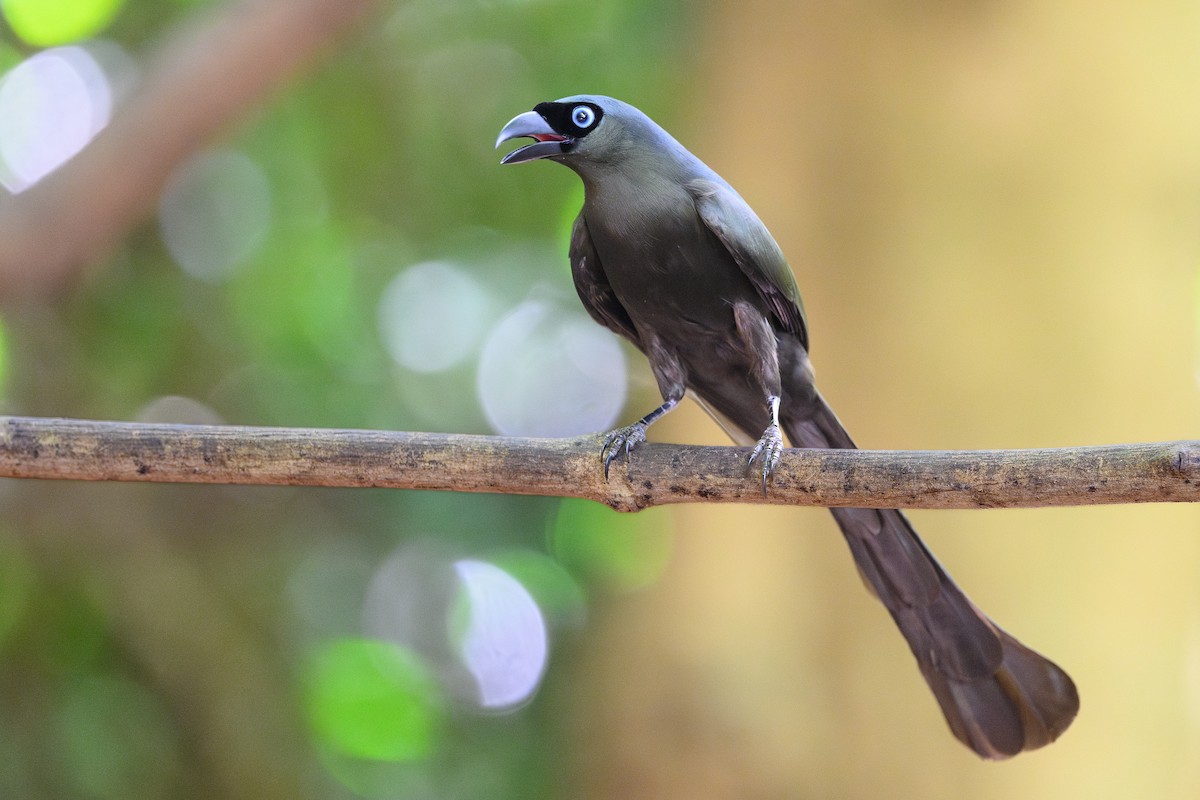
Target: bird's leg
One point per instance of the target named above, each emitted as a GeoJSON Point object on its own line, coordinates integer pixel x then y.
{"type": "Point", "coordinates": [770, 444]}
{"type": "Point", "coordinates": [625, 438]}
{"type": "Point", "coordinates": [761, 346]}
{"type": "Point", "coordinates": [670, 375]}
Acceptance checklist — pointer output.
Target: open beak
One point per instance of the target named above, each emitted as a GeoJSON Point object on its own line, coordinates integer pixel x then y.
{"type": "Point", "coordinates": [532, 125]}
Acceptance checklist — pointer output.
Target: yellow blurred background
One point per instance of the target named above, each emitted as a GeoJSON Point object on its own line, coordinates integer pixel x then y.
{"type": "Point", "coordinates": [993, 212]}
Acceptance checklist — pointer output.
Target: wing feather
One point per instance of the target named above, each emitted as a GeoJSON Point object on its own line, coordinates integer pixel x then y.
{"type": "Point", "coordinates": [593, 287]}
{"type": "Point", "coordinates": [753, 248]}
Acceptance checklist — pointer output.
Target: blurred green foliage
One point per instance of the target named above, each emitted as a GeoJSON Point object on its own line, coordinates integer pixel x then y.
{"type": "Point", "coordinates": [9, 56]}
{"type": "Point", "coordinates": [16, 584]}
{"type": "Point", "coordinates": [44, 23]}
{"type": "Point", "coordinates": [370, 699]}
{"type": "Point", "coordinates": [152, 643]}
{"type": "Point", "coordinates": [629, 552]}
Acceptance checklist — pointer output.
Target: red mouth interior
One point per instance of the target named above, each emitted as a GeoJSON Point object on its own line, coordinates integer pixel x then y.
{"type": "Point", "coordinates": [548, 137]}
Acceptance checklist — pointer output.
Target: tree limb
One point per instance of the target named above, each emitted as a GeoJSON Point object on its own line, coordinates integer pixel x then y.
{"type": "Point", "coordinates": [69, 449]}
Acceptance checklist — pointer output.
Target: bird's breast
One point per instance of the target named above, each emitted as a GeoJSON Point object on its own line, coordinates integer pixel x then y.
{"type": "Point", "coordinates": [669, 271]}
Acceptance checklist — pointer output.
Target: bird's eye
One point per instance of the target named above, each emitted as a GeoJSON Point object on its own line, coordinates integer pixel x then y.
{"type": "Point", "coordinates": [582, 116]}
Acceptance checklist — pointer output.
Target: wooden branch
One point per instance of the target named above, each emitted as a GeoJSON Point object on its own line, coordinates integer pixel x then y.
{"type": "Point", "coordinates": [68, 449]}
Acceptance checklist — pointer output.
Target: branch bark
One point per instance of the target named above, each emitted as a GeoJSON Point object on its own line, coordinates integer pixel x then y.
{"type": "Point", "coordinates": [659, 474]}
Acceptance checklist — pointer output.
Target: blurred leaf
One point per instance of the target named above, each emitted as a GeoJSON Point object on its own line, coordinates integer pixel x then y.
{"type": "Point", "coordinates": [117, 740]}
{"type": "Point", "coordinates": [373, 700]}
{"type": "Point", "coordinates": [44, 23]}
{"type": "Point", "coordinates": [70, 630]}
{"type": "Point", "coordinates": [597, 544]}
{"type": "Point", "coordinates": [16, 582]}
{"type": "Point", "coordinates": [557, 593]}
{"type": "Point", "coordinates": [4, 355]}
{"type": "Point", "coordinates": [9, 57]}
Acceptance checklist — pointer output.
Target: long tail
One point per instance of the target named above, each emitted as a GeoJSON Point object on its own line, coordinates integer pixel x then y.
{"type": "Point", "coordinates": [999, 696]}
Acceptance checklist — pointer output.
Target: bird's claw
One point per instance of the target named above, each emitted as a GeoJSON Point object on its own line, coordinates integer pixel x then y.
{"type": "Point", "coordinates": [770, 448]}
{"type": "Point", "coordinates": [622, 439]}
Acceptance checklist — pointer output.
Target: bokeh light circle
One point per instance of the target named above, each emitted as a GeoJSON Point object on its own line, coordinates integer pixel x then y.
{"type": "Point", "coordinates": [547, 372]}
{"type": "Point", "coordinates": [214, 213]}
{"type": "Point", "coordinates": [432, 316]}
{"type": "Point", "coordinates": [559, 596]}
{"type": "Point", "coordinates": [44, 23]}
{"type": "Point", "coordinates": [500, 633]}
{"type": "Point", "coordinates": [51, 105]}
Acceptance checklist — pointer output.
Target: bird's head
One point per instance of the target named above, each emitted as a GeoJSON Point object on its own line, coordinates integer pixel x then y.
{"type": "Point", "coordinates": [574, 129]}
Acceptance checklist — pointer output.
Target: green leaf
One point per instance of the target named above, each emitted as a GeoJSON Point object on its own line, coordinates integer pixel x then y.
{"type": "Point", "coordinates": [594, 542]}
{"type": "Point", "coordinates": [45, 23]}
{"type": "Point", "coordinates": [373, 700]}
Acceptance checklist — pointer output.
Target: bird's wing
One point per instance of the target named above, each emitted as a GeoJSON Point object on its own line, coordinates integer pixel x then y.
{"type": "Point", "coordinates": [593, 287]}
{"type": "Point", "coordinates": [750, 243]}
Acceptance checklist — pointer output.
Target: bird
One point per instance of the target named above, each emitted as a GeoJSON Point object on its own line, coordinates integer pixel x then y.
{"type": "Point", "coordinates": [666, 254]}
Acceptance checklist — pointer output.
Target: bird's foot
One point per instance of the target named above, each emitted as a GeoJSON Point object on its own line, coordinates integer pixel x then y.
{"type": "Point", "coordinates": [622, 439]}
{"type": "Point", "coordinates": [769, 448]}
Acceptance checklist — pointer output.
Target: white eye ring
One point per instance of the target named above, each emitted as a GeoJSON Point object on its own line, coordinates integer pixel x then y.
{"type": "Point", "coordinates": [582, 116]}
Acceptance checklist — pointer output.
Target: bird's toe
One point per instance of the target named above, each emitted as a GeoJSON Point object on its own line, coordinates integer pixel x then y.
{"type": "Point", "coordinates": [769, 448]}
{"type": "Point", "coordinates": [622, 440]}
